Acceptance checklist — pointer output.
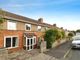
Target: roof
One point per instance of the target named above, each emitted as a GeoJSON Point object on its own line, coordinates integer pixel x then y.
{"type": "Point", "coordinates": [10, 15]}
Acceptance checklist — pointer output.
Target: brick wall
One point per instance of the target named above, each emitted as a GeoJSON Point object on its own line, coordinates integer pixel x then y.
{"type": "Point", "coordinates": [4, 33]}
{"type": "Point", "coordinates": [18, 33]}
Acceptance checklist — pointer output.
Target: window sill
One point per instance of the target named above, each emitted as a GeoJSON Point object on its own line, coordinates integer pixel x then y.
{"type": "Point", "coordinates": [11, 47]}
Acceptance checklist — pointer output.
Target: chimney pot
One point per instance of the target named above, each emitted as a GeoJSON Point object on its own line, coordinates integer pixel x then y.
{"type": "Point", "coordinates": [40, 20]}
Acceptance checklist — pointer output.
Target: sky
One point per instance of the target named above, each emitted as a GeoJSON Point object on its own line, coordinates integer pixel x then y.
{"type": "Point", "coordinates": [65, 13]}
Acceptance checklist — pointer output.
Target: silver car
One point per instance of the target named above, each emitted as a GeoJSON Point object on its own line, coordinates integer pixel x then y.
{"type": "Point", "coordinates": [76, 42]}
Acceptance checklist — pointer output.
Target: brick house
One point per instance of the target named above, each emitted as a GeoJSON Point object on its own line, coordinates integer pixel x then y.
{"type": "Point", "coordinates": [20, 32]}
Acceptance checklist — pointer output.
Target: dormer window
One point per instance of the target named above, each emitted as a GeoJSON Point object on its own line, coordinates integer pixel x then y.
{"type": "Point", "coordinates": [27, 26]}
{"type": "Point", "coordinates": [39, 28]}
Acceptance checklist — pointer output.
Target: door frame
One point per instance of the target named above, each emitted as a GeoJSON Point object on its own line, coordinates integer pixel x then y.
{"type": "Point", "coordinates": [33, 43]}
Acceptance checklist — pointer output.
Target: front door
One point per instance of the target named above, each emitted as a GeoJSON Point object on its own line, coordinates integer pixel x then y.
{"type": "Point", "coordinates": [30, 43]}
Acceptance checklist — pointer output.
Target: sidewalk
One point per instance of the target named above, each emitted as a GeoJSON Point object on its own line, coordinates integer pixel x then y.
{"type": "Point", "coordinates": [31, 55]}
{"type": "Point", "coordinates": [42, 56]}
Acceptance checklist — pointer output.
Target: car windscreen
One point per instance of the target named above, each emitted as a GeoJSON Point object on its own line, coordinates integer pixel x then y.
{"type": "Point", "coordinates": [76, 39]}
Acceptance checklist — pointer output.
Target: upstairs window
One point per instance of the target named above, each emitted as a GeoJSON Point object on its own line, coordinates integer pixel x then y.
{"type": "Point", "coordinates": [27, 26]}
{"type": "Point", "coordinates": [11, 25]}
{"type": "Point", "coordinates": [39, 28]}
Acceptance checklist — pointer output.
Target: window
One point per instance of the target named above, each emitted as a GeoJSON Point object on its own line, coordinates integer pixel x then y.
{"type": "Point", "coordinates": [11, 42]}
{"type": "Point", "coordinates": [34, 40]}
{"type": "Point", "coordinates": [39, 28]}
{"type": "Point", "coordinates": [11, 25]}
{"type": "Point", "coordinates": [8, 42]}
{"type": "Point", "coordinates": [28, 27]}
{"type": "Point", "coordinates": [14, 41]}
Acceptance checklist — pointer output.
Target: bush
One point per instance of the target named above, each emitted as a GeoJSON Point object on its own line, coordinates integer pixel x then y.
{"type": "Point", "coordinates": [63, 34]}
{"type": "Point", "coordinates": [70, 35]}
{"type": "Point", "coordinates": [50, 37]}
{"type": "Point", "coordinates": [78, 30]}
{"type": "Point", "coordinates": [59, 35]}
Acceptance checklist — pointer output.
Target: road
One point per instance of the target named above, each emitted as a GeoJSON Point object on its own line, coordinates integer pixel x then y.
{"type": "Point", "coordinates": [59, 51]}
{"type": "Point", "coordinates": [74, 55]}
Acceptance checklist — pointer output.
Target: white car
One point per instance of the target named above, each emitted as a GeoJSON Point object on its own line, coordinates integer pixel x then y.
{"type": "Point", "coordinates": [76, 42]}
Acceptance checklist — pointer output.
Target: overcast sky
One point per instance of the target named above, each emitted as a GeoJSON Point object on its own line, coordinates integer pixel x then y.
{"type": "Point", "coordinates": [65, 13]}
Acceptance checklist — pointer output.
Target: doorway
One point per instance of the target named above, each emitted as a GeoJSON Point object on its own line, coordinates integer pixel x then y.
{"type": "Point", "coordinates": [30, 42]}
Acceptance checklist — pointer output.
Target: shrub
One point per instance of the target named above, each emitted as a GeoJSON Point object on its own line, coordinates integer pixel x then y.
{"type": "Point", "coordinates": [70, 35]}
{"type": "Point", "coordinates": [59, 35]}
{"type": "Point", "coordinates": [50, 37]}
{"type": "Point", "coordinates": [63, 34]}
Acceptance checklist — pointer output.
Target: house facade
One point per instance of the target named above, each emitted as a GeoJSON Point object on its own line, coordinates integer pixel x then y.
{"type": "Point", "coordinates": [19, 32]}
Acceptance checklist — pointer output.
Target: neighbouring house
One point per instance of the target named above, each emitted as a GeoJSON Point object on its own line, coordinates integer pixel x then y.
{"type": "Point", "coordinates": [20, 32]}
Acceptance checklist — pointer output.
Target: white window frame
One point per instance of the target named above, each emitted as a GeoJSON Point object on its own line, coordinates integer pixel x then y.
{"type": "Point", "coordinates": [38, 27]}
{"type": "Point", "coordinates": [35, 40]}
{"type": "Point", "coordinates": [11, 42]}
{"type": "Point", "coordinates": [8, 27]}
{"type": "Point", "coordinates": [30, 27]}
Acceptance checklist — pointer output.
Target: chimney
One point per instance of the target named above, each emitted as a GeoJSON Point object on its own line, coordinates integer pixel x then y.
{"type": "Point", "coordinates": [54, 25]}
{"type": "Point", "coordinates": [40, 20]}
{"type": "Point", "coordinates": [61, 27]}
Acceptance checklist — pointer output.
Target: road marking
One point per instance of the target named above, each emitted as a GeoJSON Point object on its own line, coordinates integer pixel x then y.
{"type": "Point", "coordinates": [66, 54]}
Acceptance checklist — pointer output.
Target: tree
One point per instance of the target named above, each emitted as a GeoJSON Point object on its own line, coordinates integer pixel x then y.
{"type": "Point", "coordinates": [78, 30]}
{"type": "Point", "coordinates": [63, 34]}
{"type": "Point", "coordinates": [59, 35]}
{"type": "Point", "coordinates": [74, 32]}
{"type": "Point", "coordinates": [70, 35]}
{"type": "Point", "coordinates": [1, 18]}
{"type": "Point", "coordinates": [51, 36]}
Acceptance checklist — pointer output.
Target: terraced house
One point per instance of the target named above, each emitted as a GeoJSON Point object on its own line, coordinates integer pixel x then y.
{"type": "Point", "coordinates": [19, 32]}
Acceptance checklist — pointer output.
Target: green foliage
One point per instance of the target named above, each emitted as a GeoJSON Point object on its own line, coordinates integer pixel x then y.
{"type": "Point", "coordinates": [63, 34]}
{"type": "Point", "coordinates": [74, 32]}
{"type": "Point", "coordinates": [78, 30]}
{"type": "Point", "coordinates": [59, 35]}
{"type": "Point", "coordinates": [50, 37]}
{"type": "Point", "coordinates": [1, 20]}
{"type": "Point", "coordinates": [70, 35]}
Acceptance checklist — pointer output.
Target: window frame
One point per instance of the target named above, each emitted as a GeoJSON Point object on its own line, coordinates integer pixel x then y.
{"type": "Point", "coordinates": [11, 42]}
{"type": "Point", "coordinates": [38, 28]}
{"type": "Point", "coordinates": [11, 22]}
{"type": "Point", "coordinates": [35, 40]}
{"type": "Point", "coordinates": [30, 27]}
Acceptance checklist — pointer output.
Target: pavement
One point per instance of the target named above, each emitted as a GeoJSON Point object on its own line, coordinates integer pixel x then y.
{"type": "Point", "coordinates": [31, 55]}
{"type": "Point", "coordinates": [53, 54]}
{"type": "Point", "coordinates": [42, 56]}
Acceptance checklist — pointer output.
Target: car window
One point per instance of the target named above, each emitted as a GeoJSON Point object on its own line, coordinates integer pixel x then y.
{"type": "Point", "coordinates": [76, 39]}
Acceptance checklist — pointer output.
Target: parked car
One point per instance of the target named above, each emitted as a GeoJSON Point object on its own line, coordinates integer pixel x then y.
{"type": "Point", "coordinates": [76, 42]}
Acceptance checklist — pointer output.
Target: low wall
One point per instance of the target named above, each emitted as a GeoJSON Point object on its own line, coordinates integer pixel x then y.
{"type": "Point", "coordinates": [3, 54]}
{"type": "Point", "coordinates": [55, 44]}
